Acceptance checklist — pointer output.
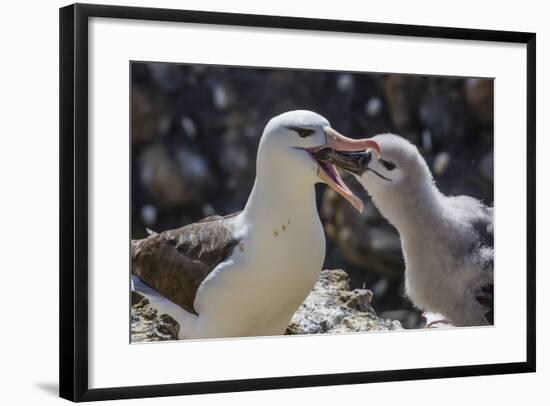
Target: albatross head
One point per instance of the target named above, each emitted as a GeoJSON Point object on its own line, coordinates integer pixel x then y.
{"type": "Point", "coordinates": [291, 144]}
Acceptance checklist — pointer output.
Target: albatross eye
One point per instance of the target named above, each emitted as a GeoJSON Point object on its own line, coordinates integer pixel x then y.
{"type": "Point", "coordinates": [390, 166]}
{"type": "Point", "coordinates": [303, 132]}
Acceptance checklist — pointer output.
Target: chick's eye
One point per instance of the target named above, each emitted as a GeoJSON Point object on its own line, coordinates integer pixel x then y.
{"type": "Point", "coordinates": [304, 132]}
{"type": "Point", "coordinates": [390, 166]}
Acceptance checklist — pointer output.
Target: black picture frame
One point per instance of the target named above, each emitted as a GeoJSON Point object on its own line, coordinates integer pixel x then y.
{"type": "Point", "coordinates": [73, 278]}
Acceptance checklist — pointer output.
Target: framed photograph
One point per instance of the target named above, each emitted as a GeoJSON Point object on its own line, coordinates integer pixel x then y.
{"type": "Point", "coordinates": [256, 202]}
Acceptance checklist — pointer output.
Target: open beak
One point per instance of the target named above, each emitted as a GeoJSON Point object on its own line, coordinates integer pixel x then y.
{"type": "Point", "coordinates": [356, 162]}
{"type": "Point", "coordinates": [327, 171]}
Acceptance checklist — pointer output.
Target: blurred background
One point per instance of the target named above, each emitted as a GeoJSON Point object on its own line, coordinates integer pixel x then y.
{"type": "Point", "coordinates": [196, 128]}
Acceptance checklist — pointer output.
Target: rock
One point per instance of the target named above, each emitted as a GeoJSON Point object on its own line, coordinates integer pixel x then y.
{"type": "Point", "coordinates": [409, 319]}
{"type": "Point", "coordinates": [174, 178]}
{"type": "Point", "coordinates": [373, 106]}
{"type": "Point", "coordinates": [444, 117]}
{"type": "Point", "coordinates": [441, 163]}
{"type": "Point", "coordinates": [220, 97]}
{"type": "Point", "coordinates": [168, 76]}
{"type": "Point", "coordinates": [188, 126]}
{"type": "Point", "coordinates": [146, 325]}
{"type": "Point", "coordinates": [148, 114]}
{"type": "Point", "coordinates": [479, 96]}
{"type": "Point", "coordinates": [149, 215]}
{"type": "Point", "coordinates": [344, 82]}
{"type": "Point", "coordinates": [402, 97]}
{"type": "Point", "coordinates": [160, 176]}
{"type": "Point", "coordinates": [332, 307]}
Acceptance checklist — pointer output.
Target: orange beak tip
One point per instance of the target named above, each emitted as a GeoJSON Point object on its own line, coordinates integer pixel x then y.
{"type": "Point", "coordinates": [376, 150]}
{"type": "Point", "coordinates": [376, 147]}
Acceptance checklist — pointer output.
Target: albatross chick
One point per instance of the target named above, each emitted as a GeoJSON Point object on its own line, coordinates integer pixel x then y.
{"type": "Point", "coordinates": [447, 241]}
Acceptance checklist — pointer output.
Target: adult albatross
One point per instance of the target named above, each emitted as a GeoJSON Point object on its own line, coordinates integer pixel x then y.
{"type": "Point", "coordinates": [247, 273]}
{"type": "Point", "coordinates": [447, 241]}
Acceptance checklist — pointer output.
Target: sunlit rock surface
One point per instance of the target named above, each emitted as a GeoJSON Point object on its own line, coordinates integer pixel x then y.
{"type": "Point", "coordinates": [333, 308]}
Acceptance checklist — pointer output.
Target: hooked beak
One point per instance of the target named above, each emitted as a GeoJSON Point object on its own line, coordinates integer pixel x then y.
{"type": "Point", "coordinates": [356, 162]}
{"type": "Point", "coordinates": [326, 170]}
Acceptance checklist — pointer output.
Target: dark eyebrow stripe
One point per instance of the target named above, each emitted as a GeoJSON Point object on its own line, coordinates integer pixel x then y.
{"type": "Point", "coordinates": [309, 131]}
{"type": "Point", "coordinates": [387, 164]}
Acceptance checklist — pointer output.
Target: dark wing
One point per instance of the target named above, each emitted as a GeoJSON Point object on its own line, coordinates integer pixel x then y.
{"type": "Point", "coordinates": [175, 262]}
{"type": "Point", "coordinates": [484, 255]}
{"type": "Point", "coordinates": [476, 222]}
{"type": "Point", "coordinates": [485, 298]}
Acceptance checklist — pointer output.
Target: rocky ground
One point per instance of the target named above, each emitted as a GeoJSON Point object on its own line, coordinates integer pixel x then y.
{"type": "Point", "coordinates": [332, 307]}
{"type": "Point", "coordinates": [147, 325]}
{"type": "Point", "coordinates": [195, 131]}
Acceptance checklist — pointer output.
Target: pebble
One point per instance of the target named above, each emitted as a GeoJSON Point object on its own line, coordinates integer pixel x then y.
{"type": "Point", "coordinates": [441, 163]}
{"type": "Point", "coordinates": [344, 82]}
{"type": "Point", "coordinates": [427, 139]}
{"type": "Point", "coordinates": [373, 107]}
{"type": "Point", "coordinates": [188, 126]}
{"type": "Point", "coordinates": [149, 214]}
{"type": "Point", "coordinates": [192, 165]}
{"type": "Point", "coordinates": [221, 99]}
